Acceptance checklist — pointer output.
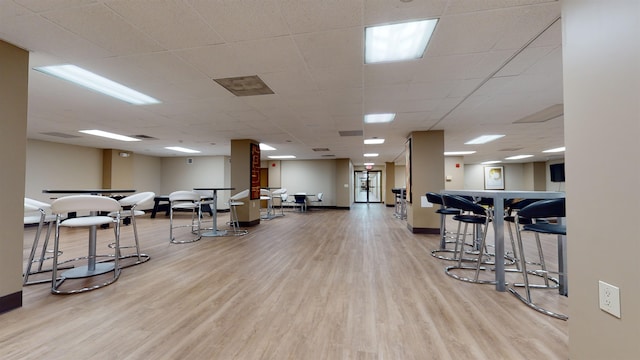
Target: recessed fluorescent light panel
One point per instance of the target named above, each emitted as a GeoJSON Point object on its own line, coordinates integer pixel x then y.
{"type": "Point", "coordinates": [457, 153]}
{"type": "Point", "coordinates": [95, 82]}
{"type": "Point", "coordinates": [369, 164]}
{"type": "Point", "coordinates": [370, 155]}
{"type": "Point", "coordinates": [491, 162]}
{"type": "Point", "coordinates": [373, 141]}
{"type": "Point", "coordinates": [518, 157]}
{"type": "Point", "coordinates": [282, 157]}
{"type": "Point", "coordinates": [560, 149]}
{"type": "Point", "coordinates": [397, 42]}
{"type": "Point", "coordinates": [266, 147]}
{"type": "Point", "coordinates": [483, 139]}
{"type": "Point", "coordinates": [378, 118]}
{"type": "Point", "coordinates": [181, 149]}
{"type": "Point", "coordinates": [108, 135]}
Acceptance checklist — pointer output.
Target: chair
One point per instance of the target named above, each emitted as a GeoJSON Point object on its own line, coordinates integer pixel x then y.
{"type": "Point", "coordinates": [281, 195]}
{"type": "Point", "coordinates": [265, 194]}
{"type": "Point", "coordinates": [479, 217]}
{"type": "Point", "coordinates": [234, 202]}
{"type": "Point", "coordinates": [189, 201]}
{"type": "Point", "coordinates": [129, 205]}
{"type": "Point", "coordinates": [318, 199]}
{"type": "Point", "coordinates": [95, 205]}
{"type": "Point", "coordinates": [300, 201]}
{"type": "Point", "coordinates": [512, 206]}
{"type": "Point", "coordinates": [539, 210]}
{"type": "Point", "coordinates": [436, 199]}
{"type": "Point", "coordinates": [37, 212]}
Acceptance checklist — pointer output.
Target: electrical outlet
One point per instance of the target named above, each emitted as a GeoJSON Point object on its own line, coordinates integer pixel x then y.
{"type": "Point", "coordinates": [609, 298]}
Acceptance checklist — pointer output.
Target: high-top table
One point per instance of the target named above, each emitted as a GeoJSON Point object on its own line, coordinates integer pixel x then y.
{"type": "Point", "coordinates": [91, 269]}
{"type": "Point", "coordinates": [214, 210]}
{"type": "Point", "coordinates": [498, 197]}
{"type": "Point", "coordinates": [270, 212]}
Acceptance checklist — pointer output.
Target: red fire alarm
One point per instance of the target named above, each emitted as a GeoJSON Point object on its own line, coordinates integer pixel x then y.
{"type": "Point", "coordinates": [457, 165]}
{"type": "Point", "coordinates": [273, 164]}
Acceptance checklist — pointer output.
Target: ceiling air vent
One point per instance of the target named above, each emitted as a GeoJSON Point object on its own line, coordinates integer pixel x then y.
{"type": "Point", "coordinates": [327, 155]}
{"type": "Point", "coordinates": [350, 133]}
{"type": "Point", "coordinates": [245, 85]}
{"type": "Point", "coordinates": [320, 149]}
{"type": "Point", "coordinates": [511, 149]}
{"type": "Point", "coordinates": [60, 135]}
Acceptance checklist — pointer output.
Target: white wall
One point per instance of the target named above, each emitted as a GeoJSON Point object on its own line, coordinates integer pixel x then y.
{"type": "Point", "coordinates": [311, 177]}
{"type": "Point", "coordinates": [205, 171]}
{"type": "Point", "coordinates": [58, 166]}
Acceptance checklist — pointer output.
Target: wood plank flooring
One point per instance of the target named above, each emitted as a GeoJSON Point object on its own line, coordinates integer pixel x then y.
{"type": "Point", "coordinates": [326, 284]}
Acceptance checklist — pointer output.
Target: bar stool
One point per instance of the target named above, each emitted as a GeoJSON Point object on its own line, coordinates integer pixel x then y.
{"type": "Point", "coordinates": [436, 198]}
{"type": "Point", "coordinates": [37, 212]}
{"type": "Point", "coordinates": [479, 217]}
{"type": "Point", "coordinates": [281, 195]}
{"type": "Point", "coordinates": [234, 202]}
{"type": "Point", "coordinates": [95, 205]}
{"type": "Point", "coordinates": [185, 200]}
{"type": "Point", "coordinates": [129, 205]}
{"type": "Point", "coordinates": [543, 209]}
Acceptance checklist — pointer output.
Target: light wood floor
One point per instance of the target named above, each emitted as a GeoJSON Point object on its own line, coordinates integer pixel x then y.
{"type": "Point", "coordinates": [326, 284]}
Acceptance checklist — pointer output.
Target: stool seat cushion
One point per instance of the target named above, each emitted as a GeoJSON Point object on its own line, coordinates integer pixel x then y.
{"type": "Point", "coordinates": [236, 203]}
{"type": "Point", "coordinates": [187, 205]}
{"type": "Point", "coordinates": [127, 213]}
{"type": "Point", "coordinates": [546, 228]}
{"type": "Point", "coordinates": [472, 219]}
{"type": "Point", "coordinates": [87, 221]}
{"type": "Point", "coordinates": [448, 211]}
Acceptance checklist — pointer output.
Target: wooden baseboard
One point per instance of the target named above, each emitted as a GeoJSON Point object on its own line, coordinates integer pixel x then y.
{"type": "Point", "coordinates": [431, 231]}
{"type": "Point", "coordinates": [10, 302]}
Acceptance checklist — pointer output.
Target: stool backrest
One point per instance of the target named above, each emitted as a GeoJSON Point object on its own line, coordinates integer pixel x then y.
{"type": "Point", "coordinates": [434, 198]}
{"type": "Point", "coordinates": [458, 202]}
{"type": "Point", "coordinates": [184, 195]}
{"type": "Point", "coordinates": [75, 203]}
{"type": "Point", "coordinates": [137, 199]}
{"type": "Point", "coordinates": [241, 195]}
{"type": "Point", "coordinates": [544, 209]}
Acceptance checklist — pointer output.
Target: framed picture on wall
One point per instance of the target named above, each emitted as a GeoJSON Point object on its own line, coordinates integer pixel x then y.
{"type": "Point", "coordinates": [494, 178]}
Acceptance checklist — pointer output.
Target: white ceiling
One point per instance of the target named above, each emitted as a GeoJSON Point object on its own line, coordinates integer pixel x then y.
{"type": "Point", "coordinates": [490, 63]}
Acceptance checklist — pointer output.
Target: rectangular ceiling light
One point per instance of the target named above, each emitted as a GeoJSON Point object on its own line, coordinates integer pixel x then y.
{"type": "Point", "coordinates": [266, 147]}
{"type": "Point", "coordinates": [397, 42]}
{"type": "Point", "coordinates": [374, 141]}
{"type": "Point", "coordinates": [370, 155]}
{"type": "Point", "coordinates": [378, 118]}
{"type": "Point", "coordinates": [95, 82]}
{"type": "Point", "coordinates": [518, 157]}
{"type": "Point", "coordinates": [483, 139]}
{"type": "Point", "coordinates": [182, 149]}
{"type": "Point", "coordinates": [282, 157]}
{"type": "Point", "coordinates": [456, 153]}
{"type": "Point", "coordinates": [560, 149]}
{"type": "Point", "coordinates": [109, 135]}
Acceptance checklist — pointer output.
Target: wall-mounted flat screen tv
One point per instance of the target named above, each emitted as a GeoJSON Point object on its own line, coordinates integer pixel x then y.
{"type": "Point", "coordinates": [557, 172]}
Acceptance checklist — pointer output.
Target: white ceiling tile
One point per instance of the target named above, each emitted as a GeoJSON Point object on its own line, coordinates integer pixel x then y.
{"type": "Point", "coordinates": [332, 48]}
{"type": "Point", "coordinates": [315, 16]}
{"type": "Point", "coordinates": [101, 26]}
{"type": "Point", "coordinates": [242, 20]}
{"type": "Point", "coordinates": [160, 23]}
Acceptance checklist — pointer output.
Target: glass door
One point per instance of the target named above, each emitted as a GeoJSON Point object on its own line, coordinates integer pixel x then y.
{"type": "Point", "coordinates": [367, 187]}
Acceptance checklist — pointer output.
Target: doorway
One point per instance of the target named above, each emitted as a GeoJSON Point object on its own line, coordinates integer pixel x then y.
{"type": "Point", "coordinates": [367, 189]}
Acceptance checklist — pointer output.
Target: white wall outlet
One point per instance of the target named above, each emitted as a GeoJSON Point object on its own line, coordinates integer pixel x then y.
{"type": "Point", "coordinates": [609, 298]}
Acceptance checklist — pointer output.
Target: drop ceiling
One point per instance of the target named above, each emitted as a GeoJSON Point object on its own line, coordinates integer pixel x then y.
{"type": "Point", "coordinates": [489, 64]}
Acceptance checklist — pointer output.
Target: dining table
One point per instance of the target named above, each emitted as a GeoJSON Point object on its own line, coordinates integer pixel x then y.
{"type": "Point", "coordinates": [499, 196]}
{"type": "Point", "coordinates": [214, 210]}
{"type": "Point", "coordinates": [93, 267]}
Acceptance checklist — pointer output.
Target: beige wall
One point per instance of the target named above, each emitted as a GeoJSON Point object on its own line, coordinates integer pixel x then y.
{"type": "Point", "coordinates": [454, 176]}
{"type": "Point", "coordinates": [58, 166]}
{"type": "Point", "coordinates": [427, 174]}
{"type": "Point", "coordinates": [601, 62]}
{"type": "Point", "coordinates": [14, 67]}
